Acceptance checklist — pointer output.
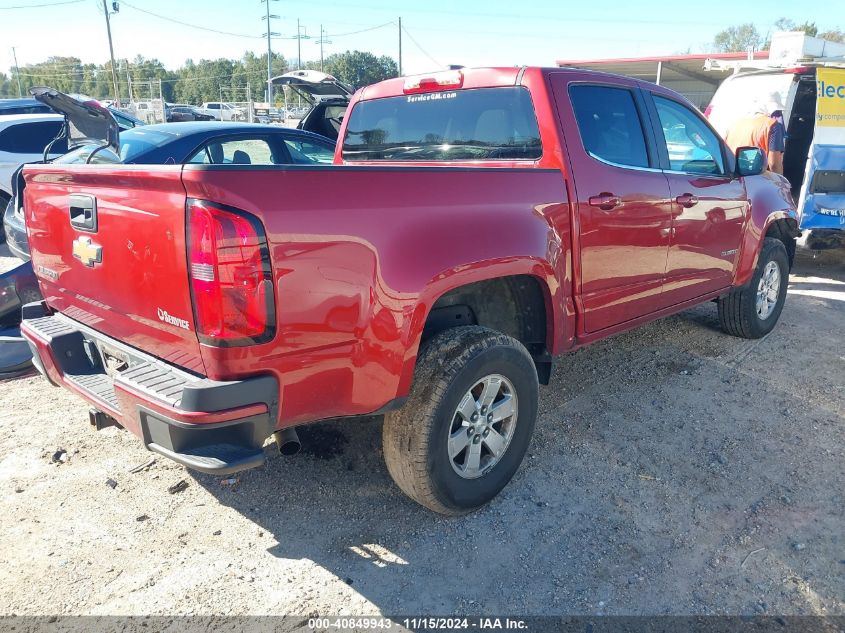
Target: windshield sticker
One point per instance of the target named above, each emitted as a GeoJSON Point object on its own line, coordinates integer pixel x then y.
{"type": "Point", "coordinates": [434, 96]}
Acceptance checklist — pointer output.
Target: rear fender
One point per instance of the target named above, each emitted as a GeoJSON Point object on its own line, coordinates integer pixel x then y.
{"type": "Point", "coordinates": [537, 267]}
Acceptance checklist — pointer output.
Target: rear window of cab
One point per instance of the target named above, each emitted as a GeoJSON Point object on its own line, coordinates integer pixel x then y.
{"type": "Point", "coordinates": [458, 125]}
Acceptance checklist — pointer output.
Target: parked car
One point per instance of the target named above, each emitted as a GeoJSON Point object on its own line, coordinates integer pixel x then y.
{"type": "Point", "coordinates": [223, 111]}
{"type": "Point", "coordinates": [17, 287]}
{"type": "Point", "coordinates": [178, 113]}
{"type": "Point", "coordinates": [178, 143]}
{"type": "Point", "coordinates": [476, 224]}
{"type": "Point", "coordinates": [328, 97]}
{"type": "Point", "coordinates": [24, 137]}
{"type": "Point", "coordinates": [124, 120]}
{"type": "Point", "coordinates": [813, 162]}
{"type": "Point", "coordinates": [29, 105]}
{"type": "Point", "coordinates": [262, 114]}
{"type": "Point", "coordinates": [24, 105]}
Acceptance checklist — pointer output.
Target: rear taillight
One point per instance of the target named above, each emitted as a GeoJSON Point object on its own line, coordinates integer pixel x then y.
{"type": "Point", "coordinates": [708, 111]}
{"type": "Point", "coordinates": [231, 278]}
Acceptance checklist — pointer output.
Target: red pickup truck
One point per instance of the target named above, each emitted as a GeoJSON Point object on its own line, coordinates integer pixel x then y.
{"type": "Point", "coordinates": [476, 224]}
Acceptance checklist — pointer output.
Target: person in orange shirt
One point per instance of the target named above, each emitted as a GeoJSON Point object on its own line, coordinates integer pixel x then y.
{"type": "Point", "coordinates": [763, 129]}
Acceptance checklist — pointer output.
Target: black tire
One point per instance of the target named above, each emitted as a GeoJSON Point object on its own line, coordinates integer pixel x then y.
{"type": "Point", "coordinates": [30, 294]}
{"type": "Point", "coordinates": [416, 437]}
{"type": "Point", "coordinates": [4, 202]}
{"type": "Point", "coordinates": [738, 310]}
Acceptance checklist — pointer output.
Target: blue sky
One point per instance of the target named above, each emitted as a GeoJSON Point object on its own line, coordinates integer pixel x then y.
{"type": "Point", "coordinates": [439, 32]}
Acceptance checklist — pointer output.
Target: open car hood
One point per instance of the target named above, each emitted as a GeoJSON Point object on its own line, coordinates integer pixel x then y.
{"type": "Point", "coordinates": [313, 85]}
{"type": "Point", "coordinates": [87, 121]}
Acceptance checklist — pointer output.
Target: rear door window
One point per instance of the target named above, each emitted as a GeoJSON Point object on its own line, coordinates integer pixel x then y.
{"type": "Point", "coordinates": [244, 151]}
{"type": "Point", "coordinates": [609, 124]}
{"type": "Point", "coordinates": [475, 124]}
{"type": "Point", "coordinates": [32, 138]}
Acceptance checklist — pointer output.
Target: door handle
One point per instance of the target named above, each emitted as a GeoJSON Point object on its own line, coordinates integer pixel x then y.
{"type": "Point", "coordinates": [605, 201]}
{"type": "Point", "coordinates": [687, 200]}
{"type": "Point", "coordinates": [83, 212]}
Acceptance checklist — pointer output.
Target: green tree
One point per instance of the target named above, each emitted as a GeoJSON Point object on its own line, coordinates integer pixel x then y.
{"type": "Point", "coordinates": [253, 71]}
{"type": "Point", "coordinates": [8, 86]}
{"type": "Point", "coordinates": [62, 73]}
{"type": "Point", "coordinates": [738, 38]}
{"type": "Point", "coordinates": [785, 24]}
{"type": "Point", "coordinates": [833, 35]}
{"type": "Point", "coordinates": [358, 68]}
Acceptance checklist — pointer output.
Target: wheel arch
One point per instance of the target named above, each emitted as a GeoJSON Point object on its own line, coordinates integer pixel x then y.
{"type": "Point", "coordinates": [772, 214]}
{"type": "Point", "coordinates": [531, 311]}
{"type": "Point", "coordinates": [781, 225]}
{"type": "Point", "coordinates": [786, 230]}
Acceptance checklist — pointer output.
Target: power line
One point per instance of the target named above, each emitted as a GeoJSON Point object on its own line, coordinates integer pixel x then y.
{"type": "Point", "coordinates": [422, 50]}
{"type": "Point", "coordinates": [371, 28]}
{"type": "Point", "coordinates": [189, 25]}
{"type": "Point", "coordinates": [520, 16]}
{"type": "Point", "coordinates": [39, 6]}
{"type": "Point", "coordinates": [243, 35]}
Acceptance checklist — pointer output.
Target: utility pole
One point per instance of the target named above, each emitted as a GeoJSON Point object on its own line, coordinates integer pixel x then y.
{"type": "Point", "coordinates": [270, 34]}
{"type": "Point", "coordinates": [299, 38]}
{"type": "Point", "coordinates": [111, 52]}
{"type": "Point", "coordinates": [400, 46]}
{"type": "Point", "coordinates": [128, 81]}
{"type": "Point", "coordinates": [17, 71]}
{"type": "Point", "coordinates": [322, 41]}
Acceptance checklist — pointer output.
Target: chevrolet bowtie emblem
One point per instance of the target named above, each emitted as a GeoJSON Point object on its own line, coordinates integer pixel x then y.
{"type": "Point", "coordinates": [87, 252]}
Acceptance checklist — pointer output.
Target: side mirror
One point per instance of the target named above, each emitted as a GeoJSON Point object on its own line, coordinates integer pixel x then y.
{"type": "Point", "coordinates": [750, 161]}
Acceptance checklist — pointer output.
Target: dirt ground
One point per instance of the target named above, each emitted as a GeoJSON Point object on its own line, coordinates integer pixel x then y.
{"type": "Point", "coordinates": [674, 470]}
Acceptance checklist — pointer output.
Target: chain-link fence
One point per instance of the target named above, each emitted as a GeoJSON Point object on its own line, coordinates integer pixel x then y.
{"type": "Point", "coordinates": [146, 101]}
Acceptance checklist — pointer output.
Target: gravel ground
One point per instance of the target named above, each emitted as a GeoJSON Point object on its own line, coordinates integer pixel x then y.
{"type": "Point", "coordinates": [674, 470]}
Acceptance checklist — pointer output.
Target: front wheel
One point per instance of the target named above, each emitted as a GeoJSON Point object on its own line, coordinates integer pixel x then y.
{"type": "Point", "coordinates": [753, 310]}
{"type": "Point", "coordinates": [467, 423]}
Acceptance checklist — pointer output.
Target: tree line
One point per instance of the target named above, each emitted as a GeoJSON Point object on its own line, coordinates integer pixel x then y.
{"type": "Point", "coordinates": [741, 37]}
{"type": "Point", "coordinates": [194, 82]}
{"type": "Point", "coordinates": [227, 79]}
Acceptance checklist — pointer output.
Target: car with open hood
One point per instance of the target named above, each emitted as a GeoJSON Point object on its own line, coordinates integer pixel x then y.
{"type": "Point", "coordinates": [29, 138]}
{"type": "Point", "coordinates": [327, 96]}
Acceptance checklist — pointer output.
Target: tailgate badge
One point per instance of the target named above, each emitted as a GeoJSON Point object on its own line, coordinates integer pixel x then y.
{"type": "Point", "coordinates": [87, 252]}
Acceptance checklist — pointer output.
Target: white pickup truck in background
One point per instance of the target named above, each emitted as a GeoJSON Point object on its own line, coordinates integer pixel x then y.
{"type": "Point", "coordinates": [223, 111]}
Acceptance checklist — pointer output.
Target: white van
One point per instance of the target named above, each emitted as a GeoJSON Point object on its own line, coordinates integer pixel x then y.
{"type": "Point", "coordinates": [814, 157]}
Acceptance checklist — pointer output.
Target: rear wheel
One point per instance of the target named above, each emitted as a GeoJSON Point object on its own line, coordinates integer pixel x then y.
{"type": "Point", "coordinates": [753, 310]}
{"type": "Point", "coordinates": [467, 423]}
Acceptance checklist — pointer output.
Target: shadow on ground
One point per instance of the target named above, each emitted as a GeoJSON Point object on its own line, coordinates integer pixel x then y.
{"type": "Point", "coordinates": [674, 470]}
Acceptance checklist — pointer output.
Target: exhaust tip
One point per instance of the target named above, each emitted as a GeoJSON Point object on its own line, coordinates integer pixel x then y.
{"type": "Point", "coordinates": [288, 441]}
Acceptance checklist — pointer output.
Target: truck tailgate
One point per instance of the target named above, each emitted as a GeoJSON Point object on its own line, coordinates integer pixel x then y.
{"type": "Point", "coordinates": [108, 245]}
